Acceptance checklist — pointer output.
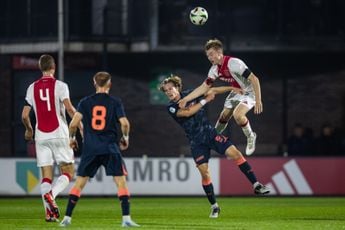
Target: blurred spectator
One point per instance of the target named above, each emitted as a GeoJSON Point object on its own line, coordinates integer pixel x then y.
{"type": "Point", "coordinates": [310, 141]}
{"type": "Point", "coordinates": [300, 143]}
{"type": "Point", "coordinates": [328, 143]}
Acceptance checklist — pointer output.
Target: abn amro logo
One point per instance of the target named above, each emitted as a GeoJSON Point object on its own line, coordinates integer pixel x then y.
{"type": "Point", "coordinates": [27, 175]}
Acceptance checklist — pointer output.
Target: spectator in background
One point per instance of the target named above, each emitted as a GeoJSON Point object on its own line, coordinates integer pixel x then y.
{"type": "Point", "coordinates": [328, 143]}
{"type": "Point", "coordinates": [300, 143]}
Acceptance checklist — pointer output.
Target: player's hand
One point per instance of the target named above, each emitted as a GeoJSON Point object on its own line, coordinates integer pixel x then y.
{"type": "Point", "coordinates": [238, 91]}
{"type": "Point", "coordinates": [182, 103]}
{"type": "Point", "coordinates": [73, 143]}
{"type": "Point", "coordinates": [28, 135]}
{"type": "Point", "coordinates": [210, 96]}
{"type": "Point", "coordinates": [124, 143]}
{"type": "Point", "coordinates": [258, 108]}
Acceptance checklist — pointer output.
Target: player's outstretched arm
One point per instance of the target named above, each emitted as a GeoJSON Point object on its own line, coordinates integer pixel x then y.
{"type": "Point", "coordinates": [125, 128]}
{"type": "Point", "coordinates": [258, 108]}
{"type": "Point", "coordinates": [201, 90]}
{"type": "Point", "coordinates": [190, 111]}
{"type": "Point", "coordinates": [224, 89]}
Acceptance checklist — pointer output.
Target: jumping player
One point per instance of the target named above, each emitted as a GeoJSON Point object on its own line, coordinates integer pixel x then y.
{"type": "Point", "coordinates": [203, 137]}
{"type": "Point", "coordinates": [49, 98]}
{"type": "Point", "coordinates": [100, 114]}
{"type": "Point", "coordinates": [235, 72]}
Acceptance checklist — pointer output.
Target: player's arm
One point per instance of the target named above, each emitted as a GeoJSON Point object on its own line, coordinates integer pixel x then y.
{"type": "Point", "coordinates": [73, 127]}
{"type": "Point", "coordinates": [125, 128]}
{"type": "Point", "coordinates": [190, 111]}
{"type": "Point", "coordinates": [71, 111]}
{"type": "Point", "coordinates": [27, 123]}
{"type": "Point", "coordinates": [69, 107]}
{"type": "Point", "coordinates": [224, 89]}
{"type": "Point", "coordinates": [258, 108]}
{"type": "Point", "coordinates": [201, 90]}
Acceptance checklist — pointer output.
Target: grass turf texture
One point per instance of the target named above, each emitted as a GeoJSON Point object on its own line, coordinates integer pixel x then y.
{"type": "Point", "coordinates": [183, 213]}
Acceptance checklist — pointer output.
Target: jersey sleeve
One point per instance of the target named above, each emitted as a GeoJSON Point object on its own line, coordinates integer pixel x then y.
{"type": "Point", "coordinates": [29, 98]}
{"type": "Point", "coordinates": [63, 90]}
{"type": "Point", "coordinates": [212, 75]}
{"type": "Point", "coordinates": [172, 110]}
{"type": "Point", "coordinates": [238, 67]}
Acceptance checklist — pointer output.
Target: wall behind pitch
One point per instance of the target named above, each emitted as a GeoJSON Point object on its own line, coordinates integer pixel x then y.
{"type": "Point", "coordinates": [146, 176]}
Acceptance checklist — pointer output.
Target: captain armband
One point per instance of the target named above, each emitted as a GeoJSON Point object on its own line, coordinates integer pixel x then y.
{"type": "Point", "coordinates": [246, 73]}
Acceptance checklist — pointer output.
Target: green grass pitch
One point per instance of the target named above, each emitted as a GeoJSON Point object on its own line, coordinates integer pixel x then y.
{"type": "Point", "coordinates": [184, 213]}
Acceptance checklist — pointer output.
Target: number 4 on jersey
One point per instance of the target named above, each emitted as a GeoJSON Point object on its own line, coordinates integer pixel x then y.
{"type": "Point", "coordinates": [45, 98]}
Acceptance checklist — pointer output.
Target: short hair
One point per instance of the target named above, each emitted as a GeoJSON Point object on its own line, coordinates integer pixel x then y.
{"type": "Point", "coordinates": [46, 63]}
{"type": "Point", "coordinates": [213, 43]}
{"type": "Point", "coordinates": [102, 78]}
{"type": "Point", "coordinates": [175, 80]}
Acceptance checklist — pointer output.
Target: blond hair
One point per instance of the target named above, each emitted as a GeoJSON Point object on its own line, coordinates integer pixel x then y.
{"type": "Point", "coordinates": [213, 43]}
{"type": "Point", "coordinates": [175, 80]}
{"type": "Point", "coordinates": [102, 78]}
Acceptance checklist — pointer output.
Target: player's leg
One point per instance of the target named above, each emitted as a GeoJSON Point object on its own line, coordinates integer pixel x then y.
{"type": "Point", "coordinates": [45, 161]}
{"type": "Point", "coordinates": [64, 157]}
{"type": "Point", "coordinates": [241, 119]}
{"type": "Point", "coordinates": [87, 168]}
{"type": "Point", "coordinates": [208, 188]}
{"type": "Point", "coordinates": [233, 153]}
{"type": "Point", "coordinates": [51, 210]}
{"type": "Point", "coordinates": [73, 198]}
{"type": "Point", "coordinates": [123, 195]}
{"type": "Point", "coordinates": [223, 119]}
{"type": "Point", "coordinates": [116, 167]}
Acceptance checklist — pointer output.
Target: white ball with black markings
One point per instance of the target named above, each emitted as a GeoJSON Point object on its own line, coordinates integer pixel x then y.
{"type": "Point", "coordinates": [198, 16]}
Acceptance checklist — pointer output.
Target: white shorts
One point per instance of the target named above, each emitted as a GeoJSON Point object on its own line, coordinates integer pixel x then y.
{"type": "Point", "coordinates": [234, 99]}
{"type": "Point", "coordinates": [58, 150]}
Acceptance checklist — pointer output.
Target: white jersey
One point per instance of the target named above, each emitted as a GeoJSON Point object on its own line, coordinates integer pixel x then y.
{"type": "Point", "coordinates": [232, 71]}
{"type": "Point", "coordinates": [46, 97]}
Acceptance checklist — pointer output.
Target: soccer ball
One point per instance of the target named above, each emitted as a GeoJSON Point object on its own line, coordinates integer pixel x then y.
{"type": "Point", "coordinates": [198, 16]}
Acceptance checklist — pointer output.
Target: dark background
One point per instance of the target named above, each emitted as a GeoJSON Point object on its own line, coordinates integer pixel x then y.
{"type": "Point", "coordinates": [296, 48]}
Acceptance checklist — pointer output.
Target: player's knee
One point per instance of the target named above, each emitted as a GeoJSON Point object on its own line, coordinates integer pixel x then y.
{"type": "Point", "coordinates": [233, 153]}
{"type": "Point", "coordinates": [67, 169]}
{"type": "Point", "coordinates": [240, 118]}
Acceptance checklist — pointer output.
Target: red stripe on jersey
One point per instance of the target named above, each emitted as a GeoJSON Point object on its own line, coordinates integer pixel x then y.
{"type": "Point", "coordinates": [44, 97]}
{"type": "Point", "coordinates": [224, 73]}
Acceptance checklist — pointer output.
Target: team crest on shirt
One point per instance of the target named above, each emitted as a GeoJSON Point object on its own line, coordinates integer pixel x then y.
{"type": "Point", "coordinates": [172, 110]}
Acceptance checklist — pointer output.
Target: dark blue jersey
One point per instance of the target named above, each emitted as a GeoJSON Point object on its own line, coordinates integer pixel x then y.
{"type": "Point", "coordinates": [101, 113]}
{"type": "Point", "coordinates": [197, 126]}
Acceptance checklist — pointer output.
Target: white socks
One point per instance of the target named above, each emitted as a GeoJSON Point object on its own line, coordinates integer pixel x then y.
{"type": "Point", "coordinates": [45, 187]}
{"type": "Point", "coordinates": [247, 130]}
{"type": "Point", "coordinates": [126, 218]}
{"type": "Point", "coordinates": [60, 184]}
{"type": "Point", "coordinates": [215, 205]}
